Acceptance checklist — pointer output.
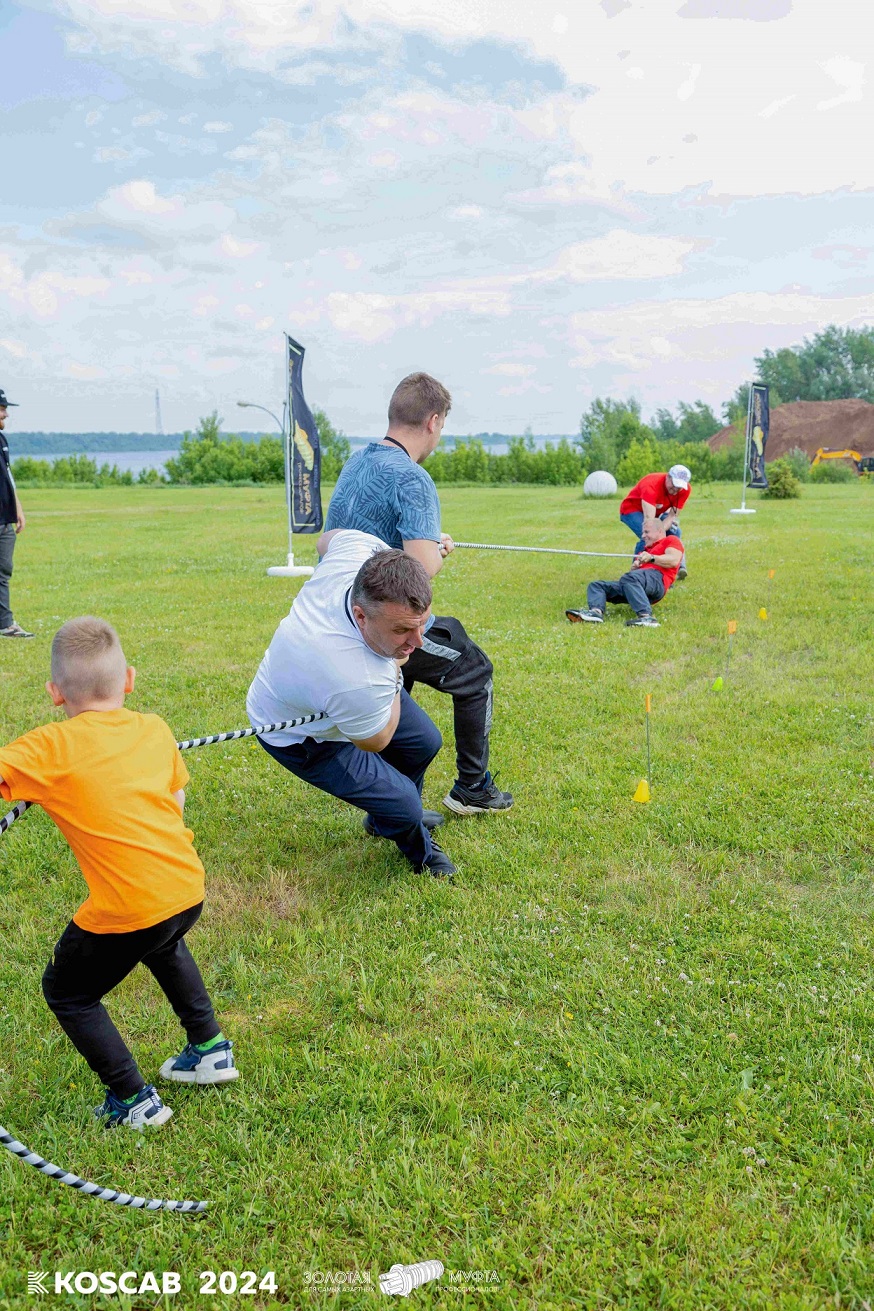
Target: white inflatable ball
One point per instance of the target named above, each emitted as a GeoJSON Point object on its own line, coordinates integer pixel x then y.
{"type": "Point", "coordinates": [599, 483]}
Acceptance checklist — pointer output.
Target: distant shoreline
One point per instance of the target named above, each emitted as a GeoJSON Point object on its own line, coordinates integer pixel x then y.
{"type": "Point", "coordinates": [46, 444]}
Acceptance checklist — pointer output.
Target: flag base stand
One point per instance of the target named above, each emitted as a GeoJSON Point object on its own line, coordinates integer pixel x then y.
{"type": "Point", "coordinates": [742, 510]}
{"type": "Point", "coordinates": [290, 570]}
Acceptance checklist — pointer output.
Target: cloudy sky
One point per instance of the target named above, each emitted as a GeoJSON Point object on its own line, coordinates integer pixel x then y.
{"type": "Point", "coordinates": [538, 203]}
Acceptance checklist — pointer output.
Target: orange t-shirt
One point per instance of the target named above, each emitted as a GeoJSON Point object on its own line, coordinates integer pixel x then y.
{"type": "Point", "coordinates": [106, 778]}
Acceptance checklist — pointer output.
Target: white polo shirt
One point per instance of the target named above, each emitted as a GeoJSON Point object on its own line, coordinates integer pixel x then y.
{"type": "Point", "coordinates": [318, 659]}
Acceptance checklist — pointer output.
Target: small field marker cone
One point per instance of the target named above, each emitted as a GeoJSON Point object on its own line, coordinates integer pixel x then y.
{"type": "Point", "coordinates": [763, 614]}
{"type": "Point", "coordinates": [642, 791]}
{"type": "Point", "coordinates": [716, 685]}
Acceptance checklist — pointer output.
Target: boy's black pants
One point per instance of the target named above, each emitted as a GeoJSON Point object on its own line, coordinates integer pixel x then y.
{"type": "Point", "coordinates": [86, 966]}
{"type": "Point", "coordinates": [450, 661]}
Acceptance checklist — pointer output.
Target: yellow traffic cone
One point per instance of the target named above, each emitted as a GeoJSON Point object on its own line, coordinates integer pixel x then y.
{"type": "Point", "coordinates": [763, 614]}
{"type": "Point", "coordinates": [716, 685]}
{"type": "Point", "coordinates": [641, 792]}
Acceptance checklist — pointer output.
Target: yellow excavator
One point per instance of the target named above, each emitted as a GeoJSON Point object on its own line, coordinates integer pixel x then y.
{"type": "Point", "coordinates": [863, 463]}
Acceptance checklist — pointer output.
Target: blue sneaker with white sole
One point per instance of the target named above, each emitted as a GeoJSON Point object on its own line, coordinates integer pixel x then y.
{"type": "Point", "coordinates": [193, 1065]}
{"type": "Point", "coordinates": [147, 1111]}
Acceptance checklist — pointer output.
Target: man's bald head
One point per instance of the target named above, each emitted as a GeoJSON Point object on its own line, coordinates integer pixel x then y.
{"type": "Point", "coordinates": [653, 531]}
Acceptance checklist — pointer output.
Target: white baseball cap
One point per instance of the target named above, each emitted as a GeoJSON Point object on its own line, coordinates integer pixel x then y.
{"type": "Point", "coordinates": [679, 475]}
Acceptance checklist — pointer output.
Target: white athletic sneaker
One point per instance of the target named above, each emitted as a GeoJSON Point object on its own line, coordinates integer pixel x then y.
{"type": "Point", "coordinates": [195, 1066]}
{"type": "Point", "coordinates": [591, 616]}
{"type": "Point", "coordinates": [147, 1112]}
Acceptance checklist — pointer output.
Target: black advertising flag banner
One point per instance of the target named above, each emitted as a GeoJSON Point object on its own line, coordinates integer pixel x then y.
{"type": "Point", "coordinates": [760, 421]}
{"type": "Point", "coordinates": [304, 454]}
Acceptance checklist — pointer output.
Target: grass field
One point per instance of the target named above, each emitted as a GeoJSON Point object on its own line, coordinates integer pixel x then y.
{"type": "Point", "coordinates": [626, 1061]}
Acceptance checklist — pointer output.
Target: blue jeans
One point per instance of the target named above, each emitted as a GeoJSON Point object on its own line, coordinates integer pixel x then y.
{"type": "Point", "coordinates": [386, 784]}
{"type": "Point", "coordinates": [634, 521]}
{"type": "Point", "coordinates": [639, 588]}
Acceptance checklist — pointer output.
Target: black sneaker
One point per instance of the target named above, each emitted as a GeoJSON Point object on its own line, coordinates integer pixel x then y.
{"type": "Point", "coordinates": [479, 800]}
{"type": "Point", "coordinates": [682, 572]}
{"type": "Point", "coordinates": [430, 818]}
{"type": "Point", "coordinates": [438, 863]}
{"type": "Point", "coordinates": [585, 616]}
{"type": "Point", "coordinates": [642, 621]}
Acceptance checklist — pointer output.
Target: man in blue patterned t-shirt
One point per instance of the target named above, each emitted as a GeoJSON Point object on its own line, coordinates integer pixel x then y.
{"type": "Point", "coordinates": [384, 490]}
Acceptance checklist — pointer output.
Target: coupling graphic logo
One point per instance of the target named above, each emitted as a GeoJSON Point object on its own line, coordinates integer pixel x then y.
{"type": "Point", "coordinates": [402, 1279]}
{"type": "Point", "coordinates": [36, 1281]}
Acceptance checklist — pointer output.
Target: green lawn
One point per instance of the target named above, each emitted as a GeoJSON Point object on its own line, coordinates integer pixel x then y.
{"type": "Point", "coordinates": [625, 1061]}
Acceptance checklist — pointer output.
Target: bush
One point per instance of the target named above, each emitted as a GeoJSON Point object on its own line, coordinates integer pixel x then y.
{"type": "Point", "coordinates": [799, 462]}
{"type": "Point", "coordinates": [69, 470]}
{"type": "Point", "coordinates": [642, 457]}
{"type": "Point", "coordinates": [833, 471]}
{"type": "Point", "coordinates": [782, 483]}
{"type": "Point", "coordinates": [558, 465]}
{"type": "Point", "coordinates": [208, 457]}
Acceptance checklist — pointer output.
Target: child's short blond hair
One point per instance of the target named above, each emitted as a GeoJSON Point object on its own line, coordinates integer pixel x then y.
{"type": "Point", "coordinates": [88, 663]}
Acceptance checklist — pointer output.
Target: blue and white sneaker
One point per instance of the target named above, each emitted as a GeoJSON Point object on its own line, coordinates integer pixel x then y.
{"type": "Point", "coordinates": [147, 1112]}
{"type": "Point", "coordinates": [195, 1066]}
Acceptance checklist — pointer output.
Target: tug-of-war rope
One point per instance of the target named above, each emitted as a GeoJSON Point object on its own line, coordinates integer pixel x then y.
{"type": "Point", "coordinates": [54, 1171]}
{"type": "Point", "coordinates": [21, 806]}
{"type": "Point", "coordinates": [542, 550]}
{"type": "Point", "coordinates": [93, 1190]}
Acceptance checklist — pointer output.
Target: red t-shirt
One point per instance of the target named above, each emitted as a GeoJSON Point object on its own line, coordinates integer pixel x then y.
{"type": "Point", "coordinates": [654, 490]}
{"type": "Point", "coordinates": [659, 548]}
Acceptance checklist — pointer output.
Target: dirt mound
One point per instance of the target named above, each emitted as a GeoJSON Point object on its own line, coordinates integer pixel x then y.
{"type": "Point", "coordinates": [839, 425]}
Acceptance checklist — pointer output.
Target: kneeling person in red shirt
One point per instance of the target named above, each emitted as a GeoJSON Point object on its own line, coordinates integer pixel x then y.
{"type": "Point", "coordinates": [645, 584]}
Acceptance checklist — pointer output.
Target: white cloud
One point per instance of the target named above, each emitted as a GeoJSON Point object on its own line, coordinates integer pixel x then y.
{"type": "Point", "coordinates": [215, 125]}
{"type": "Point", "coordinates": [629, 130]}
{"type": "Point", "coordinates": [621, 255]}
{"type": "Point", "coordinates": [512, 370]}
{"type": "Point", "coordinates": [849, 75]}
{"type": "Point", "coordinates": [662, 344]}
{"type": "Point", "coordinates": [139, 204]}
{"type": "Point", "coordinates": [148, 120]}
{"type": "Point", "coordinates": [89, 372]}
{"type": "Point", "coordinates": [16, 349]}
{"type": "Point", "coordinates": [236, 248]}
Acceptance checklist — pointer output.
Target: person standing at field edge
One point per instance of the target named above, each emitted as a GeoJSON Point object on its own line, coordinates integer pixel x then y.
{"type": "Point", "coordinates": [12, 523]}
{"type": "Point", "coordinates": [658, 496]}
{"type": "Point", "coordinates": [383, 490]}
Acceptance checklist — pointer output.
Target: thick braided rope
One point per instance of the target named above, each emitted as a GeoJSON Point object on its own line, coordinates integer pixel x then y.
{"type": "Point", "coordinates": [105, 1194]}
{"type": "Point", "coordinates": [543, 550]}
{"type": "Point", "coordinates": [20, 807]}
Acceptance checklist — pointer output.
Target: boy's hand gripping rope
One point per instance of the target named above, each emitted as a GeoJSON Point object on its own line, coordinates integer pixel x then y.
{"type": "Point", "coordinates": [54, 1171]}
{"type": "Point", "coordinates": [105, 1194]}
{"type": "Point", "coordinates": [21, 806]}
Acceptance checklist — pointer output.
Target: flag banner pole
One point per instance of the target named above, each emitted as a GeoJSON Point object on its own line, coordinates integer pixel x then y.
{"type": "Point", "coordinates": [743, 501]}
{"type": "Point", "coordinates": [760, 427]}
{"type": "Point", "coordinates": [303, 463]}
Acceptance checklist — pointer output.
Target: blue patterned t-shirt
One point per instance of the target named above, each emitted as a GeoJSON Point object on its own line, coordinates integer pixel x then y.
{"type": "Point", "coordinates": [382, 491]}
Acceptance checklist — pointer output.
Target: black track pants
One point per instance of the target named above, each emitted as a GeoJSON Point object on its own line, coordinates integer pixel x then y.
{"type": "Point", "coordinates": [450, 662]}
{"type": "Point", "coordinates": [86, 966]}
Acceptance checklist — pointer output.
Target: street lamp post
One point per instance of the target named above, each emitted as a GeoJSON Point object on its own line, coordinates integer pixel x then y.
{"type": "Point", "coordinates": [290, 569]}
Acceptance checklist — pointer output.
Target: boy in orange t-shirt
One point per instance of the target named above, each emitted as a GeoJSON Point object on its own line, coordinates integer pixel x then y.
{"type": "Point", "coordinates": [113, 781]}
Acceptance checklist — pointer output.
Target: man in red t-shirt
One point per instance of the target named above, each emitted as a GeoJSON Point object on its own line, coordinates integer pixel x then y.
{"type": "Point", "coordinates": [660, 496]}
{"type": "Point", "coordinates": [645, 584]}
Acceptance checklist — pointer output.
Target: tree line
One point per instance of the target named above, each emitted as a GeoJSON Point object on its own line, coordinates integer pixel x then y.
{"type": "Point", "coordinates": [835, 364]}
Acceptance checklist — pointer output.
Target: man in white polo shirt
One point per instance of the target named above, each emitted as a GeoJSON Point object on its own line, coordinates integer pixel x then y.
{"type": "Point", "coordinates": [339, 651]}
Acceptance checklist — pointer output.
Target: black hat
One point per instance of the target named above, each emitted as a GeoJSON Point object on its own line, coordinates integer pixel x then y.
{"type": "Point", "coordinates": [4, 404]}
